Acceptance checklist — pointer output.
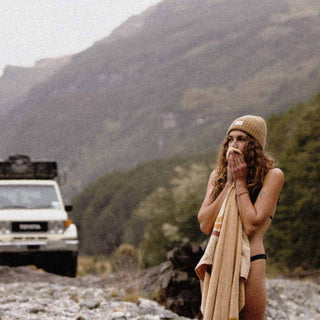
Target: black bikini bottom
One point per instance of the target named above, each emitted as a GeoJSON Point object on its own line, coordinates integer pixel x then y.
{"type": "Point", "coordinates": [258, 256]}
{"type": "Point", "coordinates": [253, 258]}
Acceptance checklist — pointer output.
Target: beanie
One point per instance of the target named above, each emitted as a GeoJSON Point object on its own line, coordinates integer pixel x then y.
{"type": "Point", "coordinates": [254, 125]}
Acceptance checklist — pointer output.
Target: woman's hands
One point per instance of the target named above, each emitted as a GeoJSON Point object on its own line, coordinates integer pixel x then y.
{"type": "Point", "coordinates": [237, 169]}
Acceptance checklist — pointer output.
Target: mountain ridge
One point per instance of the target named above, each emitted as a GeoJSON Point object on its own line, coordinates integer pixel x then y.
{"type": "Point", "coordinates": [168, 82]}
{"type": "Point", "coordinates": [16, 81]}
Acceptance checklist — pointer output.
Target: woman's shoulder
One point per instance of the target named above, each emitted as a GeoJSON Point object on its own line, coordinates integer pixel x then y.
{"type": "Point", "coordinates": [275, 175]}
{"type": "Point", "coordinates": [213, 173]}
{"type": "Point", "coordinates": [276, 172]}
{"type": "Point", "coordinates": [212, 178]}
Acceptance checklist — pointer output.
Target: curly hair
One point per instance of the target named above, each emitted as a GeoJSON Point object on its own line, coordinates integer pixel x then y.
{"type": "Point", "coordinates": [258, 162]}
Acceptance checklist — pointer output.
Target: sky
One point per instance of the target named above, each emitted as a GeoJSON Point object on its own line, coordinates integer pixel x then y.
{"type": "Point", "coordinates": [31, 30]}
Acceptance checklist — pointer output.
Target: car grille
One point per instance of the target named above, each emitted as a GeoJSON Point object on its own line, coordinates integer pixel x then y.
{"type": "Point", "coordinates": [33, 226]}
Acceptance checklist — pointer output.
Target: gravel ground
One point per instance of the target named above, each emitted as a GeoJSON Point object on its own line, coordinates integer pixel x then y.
{"type": "Point", "coordinates": [26, 293]}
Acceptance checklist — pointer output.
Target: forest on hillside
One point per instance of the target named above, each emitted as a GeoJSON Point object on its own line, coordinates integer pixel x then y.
{"type": "Point", "coordinates": [154, 205]}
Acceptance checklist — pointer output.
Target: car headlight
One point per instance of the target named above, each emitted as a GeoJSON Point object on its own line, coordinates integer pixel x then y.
{"type": "Point", "coordinates": [56, 226]}
{"type": "Point", "coordinates": [5, 227]}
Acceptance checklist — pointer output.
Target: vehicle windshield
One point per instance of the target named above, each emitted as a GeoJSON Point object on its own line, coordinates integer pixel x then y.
{"type": "Point", "coordinates": [28, 197]}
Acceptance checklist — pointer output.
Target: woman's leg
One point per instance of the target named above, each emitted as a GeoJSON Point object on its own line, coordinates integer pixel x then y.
{"type": "Point", "coordinates": [255, 292]}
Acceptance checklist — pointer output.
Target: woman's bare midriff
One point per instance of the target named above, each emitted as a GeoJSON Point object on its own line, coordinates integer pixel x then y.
{"type": "Point", "coordinates": [255, 287]}
{"type": "Point", "coordinates": [256, 241]}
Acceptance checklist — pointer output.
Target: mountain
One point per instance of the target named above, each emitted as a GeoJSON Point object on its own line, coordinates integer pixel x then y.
{"type": "Point", "coordinates": [17, 81]}
{"type": "Point", "coordinates": [168, 82]}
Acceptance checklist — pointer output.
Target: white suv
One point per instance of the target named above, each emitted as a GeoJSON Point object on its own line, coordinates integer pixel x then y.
{"type": "Point", "coordinates": [34, 224]}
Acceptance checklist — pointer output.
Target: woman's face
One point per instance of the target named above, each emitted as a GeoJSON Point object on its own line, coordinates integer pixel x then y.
{"type": "Point", "coordinates": [238, 139]}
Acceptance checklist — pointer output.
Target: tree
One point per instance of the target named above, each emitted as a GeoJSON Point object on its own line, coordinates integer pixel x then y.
{"type": "Point", "coordinates": [294, 237]}
{"type": "Point", "coordinates": [171, 213]}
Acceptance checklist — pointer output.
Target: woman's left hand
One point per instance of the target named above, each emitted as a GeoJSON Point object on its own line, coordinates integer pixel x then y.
{"type": "Point", "coordinates": [238, 166]}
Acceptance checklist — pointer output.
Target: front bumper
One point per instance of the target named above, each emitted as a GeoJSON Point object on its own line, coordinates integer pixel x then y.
{"type": "Point", "coordinates": [34, 246]}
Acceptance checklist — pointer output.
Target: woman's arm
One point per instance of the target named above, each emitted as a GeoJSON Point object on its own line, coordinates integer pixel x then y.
{"type": "Point", "coordinates": [210, 209]}
{"type": "Point", "coordinates": [254, 216]}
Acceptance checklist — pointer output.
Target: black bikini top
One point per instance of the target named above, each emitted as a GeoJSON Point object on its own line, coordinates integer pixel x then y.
{"type": "Point", "coordinates": [254, 195]}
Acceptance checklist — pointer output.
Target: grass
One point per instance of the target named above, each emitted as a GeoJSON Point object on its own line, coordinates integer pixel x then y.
{"type": "Point", "coordinates": [126, 278]}
{"type": "Point", "coordinates": [103, 267]}
{"type": "Point", "coordinates": [94, 265]}
{"type": "Point", "coordinates": [273, 271]}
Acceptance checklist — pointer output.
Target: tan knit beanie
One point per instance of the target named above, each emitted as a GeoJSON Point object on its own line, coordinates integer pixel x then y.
{"type": "Point", "coordinates": [254, 125]}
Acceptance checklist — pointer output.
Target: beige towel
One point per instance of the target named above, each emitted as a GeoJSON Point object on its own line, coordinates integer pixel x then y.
{"type": "Point", "coordinates": [225, 265]}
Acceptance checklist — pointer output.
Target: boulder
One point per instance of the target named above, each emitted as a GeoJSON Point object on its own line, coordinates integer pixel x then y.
{"type": "Point", "coordinates": [174, 283]}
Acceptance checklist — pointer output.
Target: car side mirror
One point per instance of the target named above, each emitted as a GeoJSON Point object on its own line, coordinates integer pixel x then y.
{"type": "Point", "coordinates": [68, 208]}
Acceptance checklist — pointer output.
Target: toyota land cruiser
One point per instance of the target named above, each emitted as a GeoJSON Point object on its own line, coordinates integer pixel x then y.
{"type": "Point", "coordinates": [34, 224]}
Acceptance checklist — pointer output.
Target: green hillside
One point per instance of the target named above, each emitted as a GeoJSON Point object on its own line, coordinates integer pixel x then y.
{"type": "Point", "coordinates": [154, 205]}
{"type": "Point", "coordinates": [104, 210]}
{"type": "Point", "coordinates": [294, 236]}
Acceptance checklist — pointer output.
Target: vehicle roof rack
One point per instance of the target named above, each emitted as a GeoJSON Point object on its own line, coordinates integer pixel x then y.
{"type": "Point", "coordinates": [21, 167]}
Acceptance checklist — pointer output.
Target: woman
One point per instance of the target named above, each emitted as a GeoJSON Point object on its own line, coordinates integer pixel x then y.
{"type": "Point", "coordinates": [258, 185]}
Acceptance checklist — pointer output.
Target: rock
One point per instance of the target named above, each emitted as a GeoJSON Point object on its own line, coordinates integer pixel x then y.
{"type": "Point", "coordinates": [90, 304]}
{"type": "Point", "coordinates": [37, 310]}
{"type": "Point", "coordinates": [91, 298]}
{"type": "Point", "coordinates": [292, 299]}
{"type": "Point", "coordinates": [65, 302]}
{"type": "Point", "coordinates": [118, 315]}
{"type": "Point", "coordinates": [174, 283]}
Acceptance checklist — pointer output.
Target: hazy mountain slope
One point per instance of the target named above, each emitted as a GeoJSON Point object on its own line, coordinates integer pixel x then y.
{"type": "Point", "coordinates": [17, 81]}
{"type": "Point", "coordinates": [168, 81]}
